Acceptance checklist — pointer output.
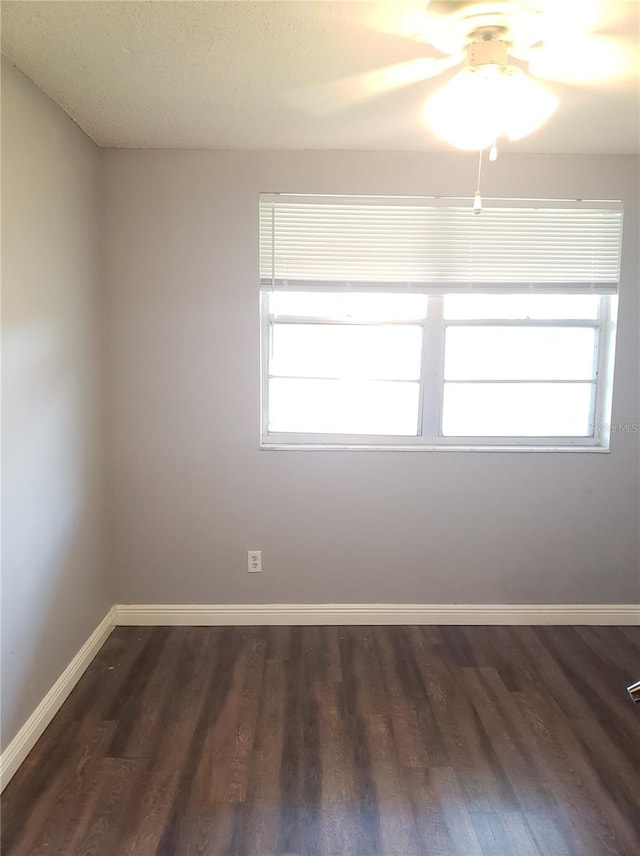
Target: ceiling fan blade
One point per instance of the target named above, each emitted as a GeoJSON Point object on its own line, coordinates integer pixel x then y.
{"type": "Point", "coordinates": [568, 17]}
{"type": "Point", "coordinates": [406, 19]}
{"type": "Point", "coordinates": [339, 95]}
{"type": "Point", "coordinates": [584, 60]}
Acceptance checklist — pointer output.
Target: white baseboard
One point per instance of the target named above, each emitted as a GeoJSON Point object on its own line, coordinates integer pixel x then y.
{"type": "Point", "coordinates": [25, 739]}
{"type": "Point", "coordinates": [374, 613]}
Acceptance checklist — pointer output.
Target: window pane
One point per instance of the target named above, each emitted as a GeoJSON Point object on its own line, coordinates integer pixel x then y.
{"type": "Point", "coordinates": [505, 306]}
{"type": "Point", "coordinates": [517, 410]}
{"type": "Point", "coordinates": [349, 305]}
{"type": "Point", "coordinates": [519, 353]}
{"type": "Point", "coordinates": [332, 351]}
{"type": "Point", "coordinates": [343, 407]}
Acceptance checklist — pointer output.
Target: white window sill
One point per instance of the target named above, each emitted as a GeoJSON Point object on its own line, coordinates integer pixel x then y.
{"type": "Point", "coordinates": [337, 447]}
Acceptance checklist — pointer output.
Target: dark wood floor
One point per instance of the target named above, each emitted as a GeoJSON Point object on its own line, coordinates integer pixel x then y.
{"type": "Point", "coordinates": [440, 741]}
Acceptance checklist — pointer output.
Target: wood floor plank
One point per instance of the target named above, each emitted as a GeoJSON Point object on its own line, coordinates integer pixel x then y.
{"type": "Point", "coordinates": [519, 836]}
{"type": "Point", "coordinates": [339, 741]}
{"type": "Point", "coordinates": [613, 765]}
{"type": "Point", "coordinates": [574, 775]}
{"type": "Point", "coordinates": [429, 817]}
{"type": "Point", "coordinates": [114, 664]}
{"type": "Point", "coordinates": [224, 768]}
{"type": "Point", "coordinates": [596, 684]}
{"type": "Point", "coordinates": [256, 820]}
{"type": "Point", "coordinates": [551, 680]}
{"type": "Point", "coordinates": [468, 748]}
{"type": "Point", "coordinates": [455, 811]}
{"type": "Point", "coordinates": [613, 645]}
{"type": "Point", "coordinates": [518, 754]}
{"type": "Point", "coordinates": [71, 793]}
{"type": "Point", "coordinates": [141, 834]}
{"type": "Point", "coordinates": [217, 678]}
{"type": "Point", "coordinates": [403, 672]}
{"type": "Point", "coordinates": [398, 831]}
{"type": "Point", "coordinates": [118, 777]}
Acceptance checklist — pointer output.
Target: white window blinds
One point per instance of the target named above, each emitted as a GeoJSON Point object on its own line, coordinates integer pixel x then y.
{"type": "Point", "coordinates": [402, 244]}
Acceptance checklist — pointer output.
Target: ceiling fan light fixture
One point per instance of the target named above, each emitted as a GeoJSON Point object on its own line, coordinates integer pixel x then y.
{"type": "Point", "coordinates": [476, 108]}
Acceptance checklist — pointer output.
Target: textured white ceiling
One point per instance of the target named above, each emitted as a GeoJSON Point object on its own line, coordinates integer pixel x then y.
{"type": "Point", "coordinates": [234, 75]}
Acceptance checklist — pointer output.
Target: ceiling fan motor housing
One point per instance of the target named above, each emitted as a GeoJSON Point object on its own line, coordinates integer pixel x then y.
{"type": "Point", "coordinates": [499, 24]}
{"type": "Point", "coordinates": [487, 52]}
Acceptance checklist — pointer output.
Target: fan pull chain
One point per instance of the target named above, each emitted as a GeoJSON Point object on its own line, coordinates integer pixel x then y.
{"type": "Point", "coordinates": [477, 199]}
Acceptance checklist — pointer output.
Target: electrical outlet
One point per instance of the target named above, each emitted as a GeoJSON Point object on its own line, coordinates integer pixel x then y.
{"type": "Point", "coordinates": [255, 561]}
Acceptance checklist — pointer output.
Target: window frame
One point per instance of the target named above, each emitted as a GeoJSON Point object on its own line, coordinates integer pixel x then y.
{"type": "Point", "coordinates": [432, 387]}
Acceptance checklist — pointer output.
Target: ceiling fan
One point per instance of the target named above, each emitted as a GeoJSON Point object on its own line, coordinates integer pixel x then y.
{"type": "Point", "coordinates": [498, 47]}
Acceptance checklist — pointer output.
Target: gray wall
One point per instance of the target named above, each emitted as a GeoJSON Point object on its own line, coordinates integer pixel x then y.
{"type": "Point", "coordinates": [190, 490]}
{"type": "Point", "coordinates": [54, 588]}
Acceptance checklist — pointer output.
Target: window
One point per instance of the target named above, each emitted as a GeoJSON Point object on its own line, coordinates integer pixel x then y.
{"type": "Point", "coordinates": [404, 324]}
